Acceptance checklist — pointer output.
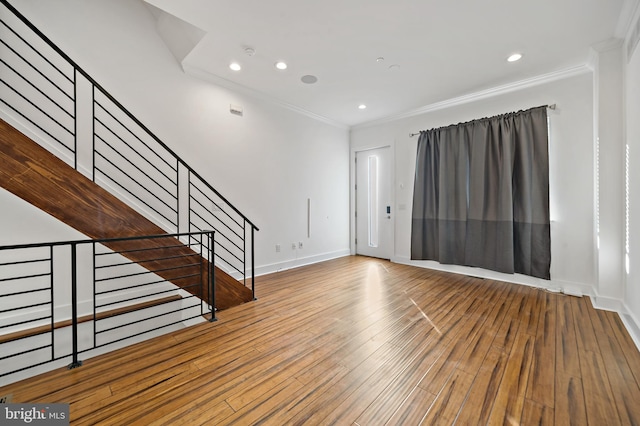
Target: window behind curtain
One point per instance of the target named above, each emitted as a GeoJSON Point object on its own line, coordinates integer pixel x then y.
{"type": "Point", "coordinates": [481, 194]}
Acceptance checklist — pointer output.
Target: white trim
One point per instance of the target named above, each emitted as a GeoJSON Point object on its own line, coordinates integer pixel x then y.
{"type": "Point", "coordinates": [27, 130]}
{"type": "Point", "coordinates": [557, 285]}
{"type": "Point", "coordinates": [609, 44]}
{"type": "Point", "coordinates": [632, 324]}
{"type": "Point", "coordinates": [628, 13]}
{"type": "Point", "coordinates": [484, 94]}
{"type": "Point", "coordinates": [607, 303]}
{"type": "Point", "coordinates": [302, 261]}
{"type": "Point", "coordinates": [219, 81]}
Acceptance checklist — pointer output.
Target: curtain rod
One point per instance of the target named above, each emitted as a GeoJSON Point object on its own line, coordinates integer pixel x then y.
{"type": "Point", "coordinates": [552, 107]}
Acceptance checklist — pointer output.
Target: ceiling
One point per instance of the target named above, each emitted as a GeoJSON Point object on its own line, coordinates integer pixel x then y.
{"type": "Point", "coordinates": [433, 50]}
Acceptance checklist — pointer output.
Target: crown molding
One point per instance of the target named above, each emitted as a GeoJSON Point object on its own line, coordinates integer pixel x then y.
{"type": "Point", "coordinates": [628, 13]}
{"type": "Point", "coordinates": [227, 84]}
{"type": "Point", "coordinates": [484, 94]}
{"type": "Point", "coordinates": [609, 44]}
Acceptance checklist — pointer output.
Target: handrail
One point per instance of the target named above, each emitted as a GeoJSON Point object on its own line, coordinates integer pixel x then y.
{"type": "Point", "coordinates": [153, 186]}
{"type": "Point", "coordinates": [120, 106]}
{"type": "Point", "coordinates": [28, 335]}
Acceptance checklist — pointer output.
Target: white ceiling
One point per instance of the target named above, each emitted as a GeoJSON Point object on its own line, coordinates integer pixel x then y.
{"type": "Point", "coordinates": [444, 48]}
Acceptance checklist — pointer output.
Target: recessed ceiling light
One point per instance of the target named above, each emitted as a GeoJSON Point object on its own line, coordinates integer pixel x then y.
{"type": "Point", "coordinates": [362, 106]}
{"type": "Point", "coordinates": [394, 67]}
{"type": "Point", "coordinates": [309, 79]}
{"type": "Point", "coordinates": [281, 65]}
{"type": "Point", "coordinates": [514, 57]}
{"type": "Point", "coordinates": [235, 66]}
{"type": "Point", "coordinates": [379, 59]}
{"type": "Point", "coordinates": [249, 51]}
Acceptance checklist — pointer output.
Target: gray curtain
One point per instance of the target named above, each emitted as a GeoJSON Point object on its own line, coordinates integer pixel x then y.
{"type": "Point", "coordinates": [481, 194]}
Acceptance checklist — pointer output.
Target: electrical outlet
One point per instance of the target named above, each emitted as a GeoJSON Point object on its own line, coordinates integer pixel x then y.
{"type": "Point", "coordinates": [277, 248]}
{"type": "Point", "coordinates": [293, 246]}
{"type": "Point", "coordinates": [6, 399]}
{"type": "Point", "coordinates": [300, 245]}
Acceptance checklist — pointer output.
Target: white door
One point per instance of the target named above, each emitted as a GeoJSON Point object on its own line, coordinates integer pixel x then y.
{"type": "Point", "coordinates": [373, 203]}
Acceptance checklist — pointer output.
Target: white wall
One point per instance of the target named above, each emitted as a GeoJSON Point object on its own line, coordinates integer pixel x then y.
{"type": "Point", "coordinates": [632, 97]}
{"type": "Point", "coordinates": [267, 162]}
{"type": "Point", "coordinates": [571, 171]}
{"type": "Point", "coordinates": [608, 114]}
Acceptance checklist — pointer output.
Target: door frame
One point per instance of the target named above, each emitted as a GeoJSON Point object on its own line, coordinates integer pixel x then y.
{"type": "Point", "coordinates": [352, 195]}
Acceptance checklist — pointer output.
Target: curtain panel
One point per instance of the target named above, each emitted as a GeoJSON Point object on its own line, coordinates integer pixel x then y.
{"type": "Point", "coordinates": [481, 194]}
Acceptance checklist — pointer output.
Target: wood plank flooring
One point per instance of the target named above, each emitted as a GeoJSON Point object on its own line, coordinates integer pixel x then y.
{"type": "Point", "coordinates": [361, 341]}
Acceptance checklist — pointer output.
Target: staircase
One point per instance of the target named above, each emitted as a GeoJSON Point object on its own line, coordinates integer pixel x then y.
{"type": "Point", "coordinates": [39, 177]}
{"type": "Point", "coordinates": [70, 149]}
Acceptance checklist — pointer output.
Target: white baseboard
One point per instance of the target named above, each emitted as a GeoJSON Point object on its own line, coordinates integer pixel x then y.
{"type": "Point", "coordinates": [632, 324]}
{"type": "Point", "coordinates": [556, 285]}
{"type": "Point", "coordinates": [608, 304]}
{"type": "Point", "coordinates": [301, 261]}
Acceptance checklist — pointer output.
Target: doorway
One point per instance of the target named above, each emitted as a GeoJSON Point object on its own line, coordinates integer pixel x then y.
{"type": "Point", "coordinates": [374, 236]}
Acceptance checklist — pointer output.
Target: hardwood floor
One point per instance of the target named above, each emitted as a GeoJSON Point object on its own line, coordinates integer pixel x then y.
{"type": "Point", "coordinates": [360, 341]}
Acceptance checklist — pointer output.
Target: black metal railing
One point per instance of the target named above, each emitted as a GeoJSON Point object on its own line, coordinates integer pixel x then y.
{"type": "Point", "coordinates": [40, 90]}
{"type": "Point", "coordinates": [102, 292]}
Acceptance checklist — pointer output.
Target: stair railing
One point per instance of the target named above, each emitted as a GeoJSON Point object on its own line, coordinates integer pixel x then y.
{"type": "Point", "coordinates": [41, 89]}
{"type": "Point", "coordinates": [63, 299]}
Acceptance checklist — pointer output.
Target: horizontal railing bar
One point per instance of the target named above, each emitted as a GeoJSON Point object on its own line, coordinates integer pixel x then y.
{"type": "Point", "coordinates": [174, 168]}
{"type": "Point", "coordinates": [149, 271]}
{"type": "Point", "coordinates": [223, 258]}
{"type": "Point", "coordinates": [144, 319]}
{"type": "Point", "coordinates": [24, 277]}
{"type": "Point", "coordinates": [231, 265]}
{"type": "Point", "coordinates": [143, 285]}
{"type": "Point", "coordinates": [22, 262]}
{"type": "Point", "coordinates": [191, 171]}
{"type": "Point", "coordinates": [222, 246]}
{"type": "Point", "coordinates": [135, 250]}
{"type": "Point", "coordinates": [138, 262]}
{"type": "Point", "coordinates": [26, 352]}
{"type": "Point", "coordinates": [222, 234]}
{"type": "Point", "coordinates": [215, 217]}
{"type": "Point", "coordinates": [24, 307]}
{"type": "Point", "coordinates": [132, 299]}
{"type": "Point", "coordinates": [171, 221]}
{"type": "Point", "coordinates": [35, 365]}
{"type": "Point", "coordinates": [100, 240]}
{"type": "Point", "coordinates": [102, 155]}
{"type": "Point", "coordinates": [25, 292]}
{"type": "Point", "coordinates": [41, 56]}
{"type": "Point", "coordinates": [25, 322]}
{"type": "Point", "coordinates": [135, 310]}
{"type": "Point", "coordinates": [38, 89]}
{"type": "Point", "coordinates": [192, 184]}
{"type": "Point", "coordinates": [41, 110]}
{"type": "Point", "coordinates": [141, 333]}
{"type": "Point", "coordinates": [33, 122]}
{"type": "Point", "coordinates": [123, 157]}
